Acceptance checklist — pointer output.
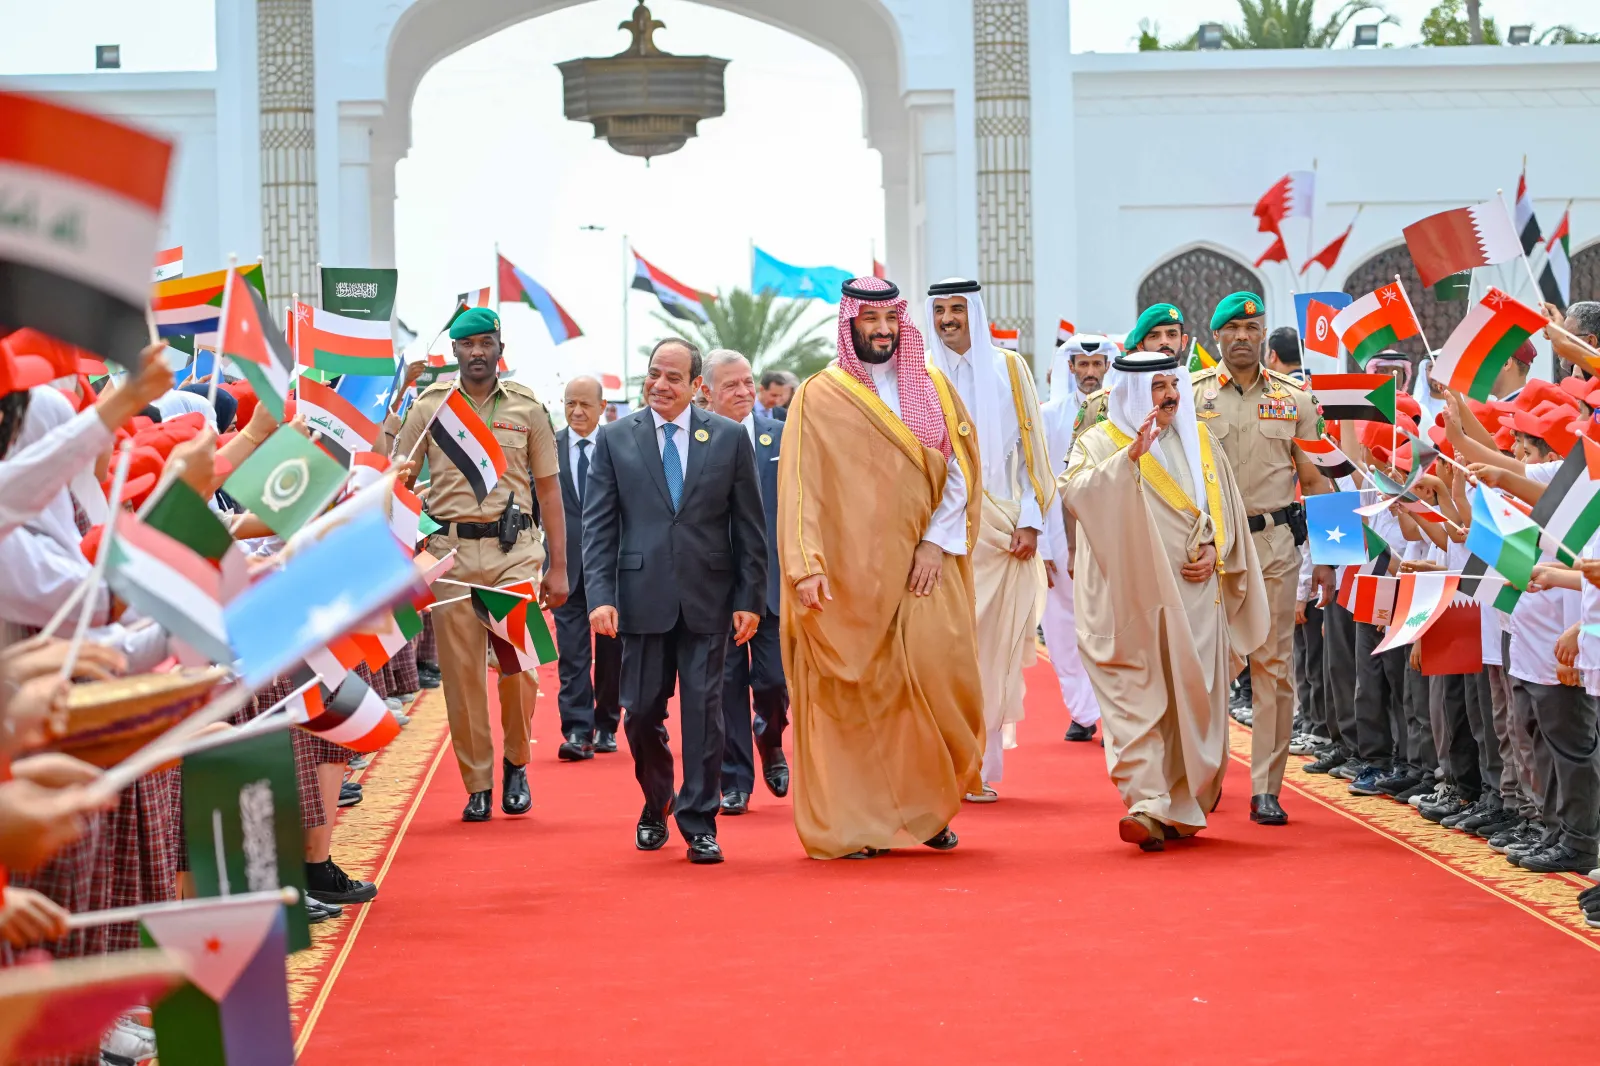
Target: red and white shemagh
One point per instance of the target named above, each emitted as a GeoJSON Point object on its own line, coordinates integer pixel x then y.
{"type": "Point", "coordinates": [919, 400]}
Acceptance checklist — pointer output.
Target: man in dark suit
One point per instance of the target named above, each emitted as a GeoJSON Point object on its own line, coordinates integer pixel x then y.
{"type": "Point", "coordinates": [674, 551]}
{"type": "Point", "coordinates": [777, 389]}
{"type": "Point", "coordinates": [590, 712]}
{"type": "Point", "coordinates": [755, 670]}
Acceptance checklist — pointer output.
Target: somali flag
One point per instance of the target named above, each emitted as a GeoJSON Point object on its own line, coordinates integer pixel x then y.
{"type": "Point", "coordinates": [796, 282]}
{"type": "Point", "coordinates": [369, 393]}
{"type": "Point", "coordinates": [1335, 530]}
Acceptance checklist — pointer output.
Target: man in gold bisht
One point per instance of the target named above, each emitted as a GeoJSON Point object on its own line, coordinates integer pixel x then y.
{"type": "Point", "coordinates": [1160, 642]}
{"type": "Point", "coordinates": [879, 491]}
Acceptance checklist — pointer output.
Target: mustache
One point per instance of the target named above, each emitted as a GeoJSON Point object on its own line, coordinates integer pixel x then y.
{"type": "Point", "coordinates": [1169, 405]}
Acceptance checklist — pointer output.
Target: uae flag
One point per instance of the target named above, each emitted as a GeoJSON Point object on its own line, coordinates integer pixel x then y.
{"type": "Point", "coordinates": [677, 299]}
{"type": "Point", "coordinates": [1376, 322]}
{"type": "Point", "coordinates": [80, 222]}
{"type": "Point", "coordinates": [1555, 279]}
{"type": "Point", "coordinates": [1502, 536]}
{"type": "Point", "coordinates": [1372, 598]}
{"type": "Point", "coordinates": [1569, 510]}
{"type": "Point", "coordinates": [168, 581]}
{"type": "Point", "coordinates": [338, 344]}
{"type": "Point", "coordinates": [515, 285]}
{"type": "Point", "coordinates": [1466, 237]}
{"type": "Point", "coordinates": [1481, 584]}
{"type": "Point", "coordinates": [1362, 397]}
{"type": "Point", "coordinates": [1419, 602]}
{"type": "Point", "coordinates": [468, 443]}
{"type": "Point", "coordinates": [517, 628]}
{"type": "Point", "coordinates": [1527, 222]}
{"type": "Point", "coordinates": [1481, 344]}
{"type": "Point", "coordinates": [169, 264]}
{"type": "Point", "coordinates": [345, 430]}
{"type": "Point", "coordinates": [254, 344]}
{"type": "Point", "coordinates": [1003, 338]}
{"type": "Point", "coordinates": [1326, 456]}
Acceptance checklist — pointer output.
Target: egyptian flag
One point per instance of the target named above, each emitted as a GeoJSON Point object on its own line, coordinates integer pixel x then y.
{"type": "Point", "coordinates": [80, 224]}
{"type": "Point", "coordinates": [1326, 457]}
{"type": "Point", "coordinates": [677, 299]}
{"type": "Point", "coordinates": [468, 443]}
{"type": "Point", "coordinates": [1372, 598]}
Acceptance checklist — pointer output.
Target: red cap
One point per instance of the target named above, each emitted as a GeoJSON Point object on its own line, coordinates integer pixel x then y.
{"type": "Point", "coordinates": [1552, 426]}
{"type": "Point", "coordinates": [1524, 353]}
{"type": "Point", "coordinates": [1536, 392]}
{"type": "Point", "coordinates": [29, 358]}
{"type": "Point", "coordinates": [1406, 403]}
{"type": "Point", "coordinates": [1504, 439]}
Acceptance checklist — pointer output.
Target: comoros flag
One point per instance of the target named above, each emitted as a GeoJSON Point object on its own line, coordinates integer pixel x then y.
{"type": "Point", "coordinates": [468, 443]}
{"type": "Point", "coordinates": [516, 285]}
{"type": "Point", "coordinates": [518, 632]}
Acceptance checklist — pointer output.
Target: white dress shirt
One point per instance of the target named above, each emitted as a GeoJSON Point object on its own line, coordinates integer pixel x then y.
{"type": "Point", "coordinates": [680, 439]}
{"type": "Point", "coordinates": [749, 425]}
{"type": "Point", "coordinates": [948, 526]}
{"type": "Point", "coordinates": [30, 477]}
{"type": "Point", "coordinates": [574, 453]}
{"type": "Point", "coordinates": [1540, 618]}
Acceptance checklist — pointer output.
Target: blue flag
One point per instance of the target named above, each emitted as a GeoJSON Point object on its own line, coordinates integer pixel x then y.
{"type": "Point", "coordinates": [371, 394]}
{"type": "Point", "coordinates": [796, 282]}
{"type": "Point", "coordinates": [1336, 300]}
{"type": "Point", "coordinates": [199, 368]}
{"type": "Point", "coordinates": [1336, 531]}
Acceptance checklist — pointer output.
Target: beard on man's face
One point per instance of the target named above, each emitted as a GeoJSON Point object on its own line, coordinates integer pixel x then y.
{"type": "Point", "coordinates": [864, 345]}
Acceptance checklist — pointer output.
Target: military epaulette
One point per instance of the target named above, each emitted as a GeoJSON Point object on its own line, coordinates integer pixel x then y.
{"type": "Point", "coordinates": [1208, 371]}
{"type": "Point", "coordinates": [1100, 396]}
{"type": "Point", "coordinates": [1284, 379]}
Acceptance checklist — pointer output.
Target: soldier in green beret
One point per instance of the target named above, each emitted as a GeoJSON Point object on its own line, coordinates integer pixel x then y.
{"type": "Point", "coordinates": [1159, 329]}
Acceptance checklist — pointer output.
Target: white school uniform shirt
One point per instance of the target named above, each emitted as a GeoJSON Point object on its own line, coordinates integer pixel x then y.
{"type": "Point", "coordinates": [1589, 614]}
{"type": "Point", "coordinates": [948, 526]}
{"type": "Point", "coordinates": [1540, 618]}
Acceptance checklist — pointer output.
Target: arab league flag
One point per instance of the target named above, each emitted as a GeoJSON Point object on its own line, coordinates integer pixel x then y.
{"type": "Point", "coordinates": [1335, 529]}
{"type": "Point", "coordinates": [468, 443]}
{"type": "Point", "coordinates": [286, 482]}
{"type": "Point", "coordinates": [1503, 536]}
{"type": "Point", "coordinates": [768, 273]}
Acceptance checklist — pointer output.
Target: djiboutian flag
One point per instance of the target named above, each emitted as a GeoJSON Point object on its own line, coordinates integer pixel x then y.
{"type": "Point", "coordinates": [1482, 342]}
{"type": "Point", "coordinates": [339, 344]}
{"type": "Point", "coordinates": [1569, 510]}
{"type": "Point", "coordinates": [1419, 602]}
{"type": "Point", "coordinates": [1502, 536]}
{"type": "Point", "coordinates": [515, 285]}
{"type": "Point", "coordinates": [468, 443]}
{"type": "Point", "coordinates": [677, 299]}
{"type": "Point", "coordinates": [1463, 238]}
{"type": "Point", "coordinates": [345, 430]}
{"type": "Point", "coordinates": [518, 632]}
{"type": "Point", "coordinates": [1326, 456]}
{"type": "Point", "coordinates": [171, 583]}
{"type": "Point", "coordinates": [254, 344]}
{"type": "Point", "coordinates": [1376, 322]}
{"type": "Point", "coordinates": [80, 223]}
{"type": "Point", "coordinates": [1361, 397]}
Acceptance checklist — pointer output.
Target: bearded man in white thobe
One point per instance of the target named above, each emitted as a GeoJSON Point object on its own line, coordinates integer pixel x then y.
{"type": "Point", "coordinates": [996, 387]}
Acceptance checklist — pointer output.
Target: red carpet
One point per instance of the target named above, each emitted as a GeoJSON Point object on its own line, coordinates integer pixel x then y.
{"type": "Point", "coordinates": [1042, 939]}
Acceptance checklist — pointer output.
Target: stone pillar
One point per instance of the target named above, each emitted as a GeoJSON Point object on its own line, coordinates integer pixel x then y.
{"type": "Point", "coordinates": [1005, 216]}
{"type": "Point", "coordinates": [287, 66]}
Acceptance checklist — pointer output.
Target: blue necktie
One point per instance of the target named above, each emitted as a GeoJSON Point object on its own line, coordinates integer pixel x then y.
{"type": "Point", "coordinates": [583, 469]}
{"type": "Point", "coordinates": [673, 466]}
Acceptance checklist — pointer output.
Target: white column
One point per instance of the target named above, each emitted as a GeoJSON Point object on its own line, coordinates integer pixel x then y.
{"type": "Point", "coordinates": [238, 133]}
{"type": "Point", "coordinates": [1054, 176]}
{"type": "Point", "coordinates": [287, 72]}
{"type": "Point", "coordinates": [936, 200]}
{"type": "Point", "coordinates": [1002, 125]}
{"type": "Point", "coordinates": [354, 245]}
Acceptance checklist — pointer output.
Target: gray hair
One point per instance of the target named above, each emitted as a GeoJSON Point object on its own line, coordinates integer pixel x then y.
{"type": "Point", "coordinates": [1585, 314]}
{"type": "Point", "coordinates": [721, 357]}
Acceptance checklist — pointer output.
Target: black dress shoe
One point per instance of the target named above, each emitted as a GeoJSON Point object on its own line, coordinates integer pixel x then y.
{"type": "Point", "coordinates": [703, 849]}
{"type": "Point", "coordinates": [735, 802]}
{"type": "Point", "coordinates": [578, 746]}
{"type": "Point", "coordinates": [1559, 859]}
{"type": "Point", "coordinates": [943, 840]}
{"type": "Point", "coordinates": [651, 832]}
{"type": "Point", "coordinates": [428, 675]}
{"type": "Point", "coordinates": [514, 795]}
{"type": "Point", "coordinates": [605, 743]}
{"type": "Point", "coordinates": [775, 770]}
{"type": "Point", "coordinates": [1264, 810]}
{"type": "Point", "coordinates": [1077, 732]}
{"type": "Point", "coordinates": [477, 808]}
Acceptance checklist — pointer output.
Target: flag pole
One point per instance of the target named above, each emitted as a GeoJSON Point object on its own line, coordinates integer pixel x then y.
{"type": "Point", "coordinates": [485, 588]}
{"type": "Point", "coordinates": [222, 331]}
{"type": "Point", "coordinates": [1311, 222]}
{"type": "Point", "coordinates": [627, 282]}
{"type": "Point", "coordinates": [97, 574]}
{"type": "Point", "coordinates": [286, 895]}
{"type": "Point", "coordinates": [441, 603]}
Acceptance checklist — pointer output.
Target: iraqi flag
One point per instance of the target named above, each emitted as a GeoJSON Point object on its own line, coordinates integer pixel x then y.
{"type": "Point", "coordinates": [169, 264]}
{"type": "Point", "coordinates": [1291, 196]}
{"type": "Point", "coordinates": [517, 628]}
{"type": "Point", "coordinates": [171, 583]}
{"type": "Point", "coordinates": [1482, 342]}
{"type": "Point", "coordinates": [254, 344]}
{"type": "Point", "coordinates": [468, 443]}
{"type": "Point", "coordinates": [1502, 536]}
{"type": "Point", "coordinates": [1569, 510]}
{"type": "Point", "coordinates": [80, 222]}
{"type": "Point", "coordinates": [515, 285]}
{"type": "Point", "coordinates": [1420, 601]}
{"type": "Point", "coordinates": [1003, 338]}
{"type": "Point", "coordinates": [1326, 457]}
{"type": "Point", "coordinates": [345, 430]}
{"type": "Point", "coordinates": [1526, 221]}
{"type": "Point", "coordinates": [1377, 321]}
{"type": "Point", "coordinates": [1463, 238]}
{"type": "Point", "coordinates": [1361, 397]}
{"type": "Point", "coordinates": [677, 299]}
{"type": "Point", "coordinates": [339, 344]}
{"type": "Point", "coordinates": [1555, 278]}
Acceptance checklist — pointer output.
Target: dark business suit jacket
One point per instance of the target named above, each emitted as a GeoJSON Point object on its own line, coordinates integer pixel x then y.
{"type": "Point", "coordinates": [704, 562]}
{"type": "Point", "coordinates": [767, 469]}
{"type": "Point", "coordinates": [569, 504]}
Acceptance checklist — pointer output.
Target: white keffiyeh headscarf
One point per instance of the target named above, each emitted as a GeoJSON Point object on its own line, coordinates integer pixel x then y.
{"type": "Point", "coordinates": [1129, 404]}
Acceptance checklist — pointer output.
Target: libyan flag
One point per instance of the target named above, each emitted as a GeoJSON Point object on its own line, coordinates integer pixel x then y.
{"type": "Point", "coordinates": [518, 632]}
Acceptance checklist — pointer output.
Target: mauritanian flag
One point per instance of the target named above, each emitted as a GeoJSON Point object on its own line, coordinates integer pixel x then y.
{"type": "Point", "coordinates": [345, 430]}
{"type": "Point", "coordinates": [80, 222]}
{"type": "Point", "coordinates": [254, 344]}
{"type": "Point", "coordinates": [169, 264]}
{"type": "Point", "coordinates": [1502, 536]}
{"type": "Point", "coordinates": [517, 628]}
{"type": "Point", "coordinates": [1003, 338]}
{"type": "Point", "coordinates": [677, 299]}
{"type": "Point", "coordinates": [1418, 603]}
{"type": "Point", "coordinates": [339, 344]}
{"type": "Point", "coordinates": [1377, 321]}
{"type": "Point", "coordinates": [1467, 237]}
{"type": "Point", "coordinates": [1327, 457]}
{"type": "Point", "coordinates": [1362, 397]}
{"type": "Point", "coordinates": [1479, 346]}
{"type": "Point", "coordinates": [1569, 510]}
{"type": "Point", "coordinates": [170, 583]}
{"type": "Point", "coordinates": [1555, 278]}
{"type": "Point", "coordinates": [515, 285]}
{"type": "Point", "coordinates": [468, 443]}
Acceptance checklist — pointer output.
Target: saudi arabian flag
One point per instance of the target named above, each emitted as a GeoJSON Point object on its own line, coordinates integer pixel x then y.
{"type": "Point", "coordinates": [286, 482]}
{"type": "Point", "coordinates": [517, 628]}
{"type": "Point", "coordinates": [360, 292]}
{"type": "Point", "coordinates": [1503, 536]}
{"type": "Point", "coordinates": [1569, 510]}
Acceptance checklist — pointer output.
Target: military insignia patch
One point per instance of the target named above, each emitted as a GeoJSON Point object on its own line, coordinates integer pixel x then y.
{"type": "Point", "coordinates": [765, 438]}
{"type": "Point", "coordinates": [1249, 307]}
{"type": "Point", "coordinates": [1172, 312]}
{"type": "Point", "coordinates": [1077, 423]}
{"type": "Point", "coordinates": [701, 435]}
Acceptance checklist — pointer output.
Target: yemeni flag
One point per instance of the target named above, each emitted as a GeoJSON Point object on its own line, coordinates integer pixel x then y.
{"type": "Point", "coordinates": [1526, 221]}
{"type": "Point", "coordinates": [1420, 601]}
{"type": "Point", "coordinates": [1569, 510]}
{"type": "Point", "coordinates": [169, 264]}
{"type": "Point", "coordinates": [159, 577]}
{"type": "Point", "coordinates": [517, 628]}
{"type": "Point", "coordinates": [1372, 598]}
{"type": "Point", "coordinates": [192, 307]}
{"type": "Point", "coordinates": [677, 299]}
{"type": "Point", "coordinates": [1361, 397]}
{"type": "Point", "coordinates": [515, 285]}
{"type": "Point", "coordinates": [80, 222]}
{"type": "Point", "coordinates": [1555, 279]}
{"type": "Point", "coordinates": [1481, 584]}
{"type": "Point", "coordinates": [1502, 536]}
{"type": "Point", "coordinates": [1376, 322]}
{"type": "Point", "coordinates": [1463, 238]}
{"type": "Point", "coordinates": [1064, 331]}
{"type": "Point", "coordinates": [1326, 457]}
{"type": "Point", "coordinates": [1003, 338]}
{"type": "Point", "coordinates": [254, 344]}
{"type": "Point", "coordinates": [345, 430]}
{"type": "Point", "coordinates": [1481, 344]}
{"type": "Point", "coordinates": [338, 344]}
{"type": "Point", "coordinates": [468, 443]}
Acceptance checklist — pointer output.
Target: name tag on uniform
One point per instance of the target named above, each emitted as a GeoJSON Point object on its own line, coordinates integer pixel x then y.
{"type": "Point", "coordinates": [512, 426]}
{"type": "Point", "coordinates": [1278, 410]}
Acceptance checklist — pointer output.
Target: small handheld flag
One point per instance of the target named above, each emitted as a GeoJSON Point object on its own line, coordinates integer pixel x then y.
{"type": "Point", "coordinates": [345, 430]}
{"type": "Point", "coordinates": [1481, 344]}
{"type": "Point", "coordinates": [1335, 529]}
{"type": "Point", "coordinates": [254, 344]}
{"type": "Point", "coordinates": [286, 482]}
{"type": "Point", "coordinates": [517, 628]}
{"type": "Point", "coordinates": [1419, 602]}
{"type": "Point", "coordinates": [1503, 536]}
{"type": "Point", "coordinates": [515, 285]}
{"type": "Point", "coordinates": [1377, 321]}
{"type": "Point", "coordinates": [469, 444]}
{"type": "Point", "coordinates": [1327, 457]}
{"type": "Point", "coordinates": [1361, 397]}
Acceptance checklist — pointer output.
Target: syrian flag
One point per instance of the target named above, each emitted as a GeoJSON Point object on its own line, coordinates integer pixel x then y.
{"type": "Point", "coordinates": [1377, 321]}
{"type": "Point", "coordinates": [677, 299]}
{"type": "Point", "coordinates": [1290, 197]}
{"type": "Point", "coordinates": [168, 581]}
{"type": "Point", "coordinates": [1362, 397]}
{"type": "Point", "coordinates": [517, 628]}
{"type": "Point", "coordinates": [1481, 344]}
{"type": "Point", "coordinates": [339, 344]}
{"type": "Point", "coordinates": [1372, 598]}
{"type": "Point", "coordinates": [1555, 279]}
{"type": "Point", "coordinates": [350, 714]}
{"type": "Point", "coordinates": [1526, 221]}
{"type": "Point", "coordinates": [1502, 536]}
{"type": "Point", "coordinates": [79, 225]}
{"type": "Point", "coordinates": [1275, 253]}
{"type": "Point", "coordinates": [1419, 602]}
{"type": "Point", "coordinates": [1466, 237]}
{"type": "Point", "coordinates": [169, 264]}
{"type": "Point", "coordinates": [1003, 338]}
{"type": "Point", "coordinates": [1326, 456]}
{"type": "Point", "coordinates": [1331, 251]}
{"type": "Point", "coordinates": [1569, 510]}
{"type": "Point", "coordinates": [515, 285]}
{"type": "Point", "coordinates": [1064, 331]}
{"type": "Point", "coordinates": [345, 430]}
{"type": "Point", "coordinates": [256, 347]}
{"type": "Point", "coordinates": [468, 443]}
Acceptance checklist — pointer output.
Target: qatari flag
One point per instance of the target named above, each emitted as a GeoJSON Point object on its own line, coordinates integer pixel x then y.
{"type": "Point", "coordinates": [80, 224]}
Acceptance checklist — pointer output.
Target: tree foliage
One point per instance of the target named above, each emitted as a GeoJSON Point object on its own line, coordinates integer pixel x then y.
{"type": "Point", "coordinates": [1447, 25]}
{"type": "Point", "coordinates": [764, 329]}
{"type": "Point", "coordinates": [1276, 24]}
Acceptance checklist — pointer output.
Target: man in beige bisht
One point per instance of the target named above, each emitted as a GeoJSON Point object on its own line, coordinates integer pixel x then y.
{"type": "Point", "coordinates": [1161, 642]}
{"type": "Point", "coordinates": [878, 497]}
{"type": "Point", "coordinates": [996, 387]}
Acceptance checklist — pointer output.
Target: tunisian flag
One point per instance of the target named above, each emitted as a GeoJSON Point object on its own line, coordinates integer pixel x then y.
{"type": "Point", "coordinates": [1466, 237]}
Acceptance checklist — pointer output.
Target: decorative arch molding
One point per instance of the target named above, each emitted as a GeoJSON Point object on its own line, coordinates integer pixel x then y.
{"type": "Point", "coordinates": [1586, 272]}
{"type": "Point", "coordinates": [1195, 278]}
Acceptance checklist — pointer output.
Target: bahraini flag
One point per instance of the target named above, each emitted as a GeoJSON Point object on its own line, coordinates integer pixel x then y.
{"type": "Point", "coordinates": [1361, 397]}
{"type": "Point", "coordinates": [170, 583]}
{"type": "Point", "coordinates": [1462, 238]}
{"type": "Point", "coordinates": [1502, 536]}
{"type": "Point", "coordinates": [1569, 510]}
{"type": "Point", "coordinates": [339, 344]}
{"type": "Point", "coordinates": [1376, 322]}
{"type": "Point", "coordinates": [1419, 602]}
{"type": "Point", "coordinates": [468, 444]}
{"type": "Point", "coordinates": [1483, 342]}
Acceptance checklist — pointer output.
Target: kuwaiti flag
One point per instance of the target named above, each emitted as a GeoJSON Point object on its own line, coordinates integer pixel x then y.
{"type": "Point", "coordinates": [1377, 321]}
{"type": "Point", "coordinates": [1502, 536]}
{"type": "Point", "coordinates": [1291, 196]}
{"type": "Point", "coordinates": [1463, 238]}
{"type": "Point", "coordinates": [1335, 529]}
{"type": "Point", "coordinates": [1362, 397]}
{"type": "Point", "coordinates": [181, 514]}
{"type": "Point", "coordinates": [192, 306]}
{"type": "Point", "coordinates": [169, 264]}
{"type": "Point", "coordinates": [1555, 278]}
{"type": "Point", "coordinates": [80, 219]}
{"type": "Point", "coordinates": [350, 713]}
{"type": "Point", "coordinates": [1003, 338]}
{"type": "Point", "coordinates": [1316, 312]}
{"type": "Point", "coordinates": [339, 344]}
{"type": "Point", "coordinates": [1418, 603]}
{"type": "Point", "coordinates": [1482, 342]}
{"type": "Point", "coordinates": [1064, 331]}
{"type": "Point", "coordinates": [171, 583]}
{"type": "Point", "coordinates": [518, 632]}
{"type": "Point", "coordinates": [515, 285]}
{"type": "Point", "coordinates": [256, 347]}
{"type": "Point", "coordinates": [1326, 457]}
{"type": "Point", "coordinates": [345, 430]}
{"type": "Point", "coordinates": [677, 299]}
{"type": "Point", "coordinates": [1372, 598]}
{"type": "Point", "coordinates": [1569, 510]}
{"type": "Point", "coordinates": [468, 443]}
{"type": "Point", "coordinates": [1526, 221]}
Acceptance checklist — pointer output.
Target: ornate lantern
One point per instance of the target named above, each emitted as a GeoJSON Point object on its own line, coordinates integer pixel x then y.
{"type": "Point", "coordinates": [643, 101]}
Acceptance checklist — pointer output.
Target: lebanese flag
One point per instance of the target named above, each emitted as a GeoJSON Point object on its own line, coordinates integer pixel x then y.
{"type": "Point", "coordinates": [1479, 346]}
{"type": "Point", "coordinates": [677, 299]}
{"type": "Point", "coordinates": [1526, 221]}
{"type": "Point", "coordinates": [1330, 251]}
{"type": "Point", "coordinates": [1275, 253]}
{"type": "Point", "coordinates": [1463, 238]}
{"type": "Point", "coordinates": [1372, 598]}
{"type": "Point", "coordinates": [1361, 397]}
{"type": "Point", "coordinates": [1064, 331]}
{"type": "Point", "coordinates": [169, 264]}
{"type": "Point", "coordinates": [1326, 457]}
{"type": "Point", "coordinates": [259, 351]}
{"type": "Point", "coordinates": [1003, 338]}
{"type": "Point", "coordinates": [468, 443]}
{"type": "Point", "coordinates": [1376, 322]}
{"type": "Point", "coordinates": [1420, 601]}
{"type": "Point", "coordinates": [1289, 197]}
{"type": "Point", "coordinates": [1320, 336]}
{"type": "Point", "coordinates": [515, 285]}
{"type": "Point", "coordinates": [339, 344]}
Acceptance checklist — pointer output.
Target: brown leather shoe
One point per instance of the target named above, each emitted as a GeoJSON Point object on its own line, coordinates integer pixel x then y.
{"type": "Point", "coordinates": [1143, 830]}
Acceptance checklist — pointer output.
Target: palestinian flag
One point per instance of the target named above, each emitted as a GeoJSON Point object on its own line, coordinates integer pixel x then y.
{"type": "Point", "coordinates": [1372, 598]}
{"type": "Point", "coordinates": [1569, 510]}
{"type": "Point", "coordinates": [256, 347]}
{"type": "Point", "coordinates": [338, 344]}
{"type": "Point", "coordinates": [1003, 338]}
{"type": "Point", "coordinates": [1418, 603]}
{"type": "Point", "coordinates": [1326, 456]}
{"type": "Point", "coordinates": [677, 299]}
{"type": "Point", "coordinates": [192, 307]}
{"type": "Point", "coordinates": [169, 582]}
{"type": "Point", "coordinates": [515, 285]}
{"type": "Point", "coordinates": [1481, 344]}
{"type": "Point", "coordinates": [181, 514]}
{"type": "Point", "coordinates": [349, 713]}
{"type": "Point", "coordinates": [1361, 397]}
{"type": "Point", "coordinates": [1200, 359]}
{"type": "Point", "coordinates": [1526, 222]}
{"type": "Point", "coordinates": [1376, 322]}
{"type": "Point", "coordinates": [1502, 536]}
{"type": "Point", "coordinates": [379, 645]}
{"type": "Point", "coordinates": [169, 264]}
{"type": "Point", "coordinates": [517, 627]}
{"type": "Point", "coordinates": [345, 430]}
{"type": "Point", "coordinates": [468, 443]}
{"type": "Point", "coordinates": [1555, 279]}
{"type": "Point", "coordinates": [80, 218]}
{"type": "Point", "coordinates": [1466, 237]}
{"type": "Point", "coordinates": [1482, 585]}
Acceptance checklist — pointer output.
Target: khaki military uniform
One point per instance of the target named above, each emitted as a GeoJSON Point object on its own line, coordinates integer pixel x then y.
{"type": "Point", "coordinates": [522, 426]}
{"type": "Point", "coordinates": [1256, 427]}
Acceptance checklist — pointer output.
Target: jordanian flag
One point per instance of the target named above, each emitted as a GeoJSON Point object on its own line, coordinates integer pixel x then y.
{"type": "Point", "coordinates": [1479, 347]}
{"type": "Point", "coordinates": [159, 577]}
{"type": "Point", "coordinates": [345, 430]}
{"type": "Point", "coordinates": [1376, 322]}
{"type": "Point", "coordinates": [338, 344]}
{"type": "Point", "coordinates": [1502, 536]}
{"type": "Point", "coordinates": [1569, 510]}
{"type": "Point", "coordinates": [1362, 397]}
{"type": "Point", "coordinates": [468, 443]}
{"type": "Point", "coordinates": [1326, 457]}
{"type": "Point", "coordinates": [256, 347]}
{"type": "Point", "coordinates": [1418, 603]}
{"type": "Point", "coordinates": [518, 632]}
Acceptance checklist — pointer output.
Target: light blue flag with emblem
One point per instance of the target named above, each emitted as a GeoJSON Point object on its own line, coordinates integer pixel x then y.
{"type": "Point", "coordinates": [796, 282]}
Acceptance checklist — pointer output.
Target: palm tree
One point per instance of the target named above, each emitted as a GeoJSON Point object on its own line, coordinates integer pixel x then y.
{"type": "Point", "coordinates": [1283, 24]}
{"type": "Point", "coordinates": [765, 330]}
